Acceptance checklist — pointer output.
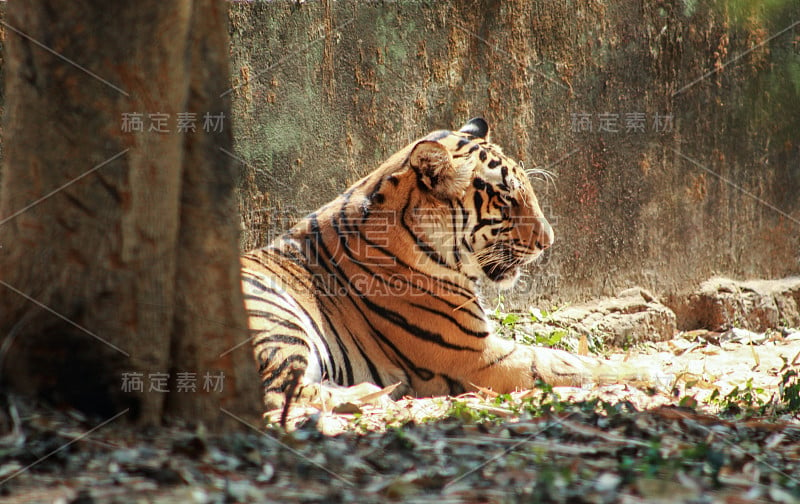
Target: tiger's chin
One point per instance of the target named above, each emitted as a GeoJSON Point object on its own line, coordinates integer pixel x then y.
{"type": "Point", "coordinates": [503, 276]}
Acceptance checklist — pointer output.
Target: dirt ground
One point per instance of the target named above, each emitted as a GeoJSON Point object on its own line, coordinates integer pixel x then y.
{"type": "Point", "coordinates": [723, 360]}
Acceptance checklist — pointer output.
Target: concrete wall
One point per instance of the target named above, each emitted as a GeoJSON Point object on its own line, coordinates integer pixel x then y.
{"type": "Point", "coordinates": [672, 126]}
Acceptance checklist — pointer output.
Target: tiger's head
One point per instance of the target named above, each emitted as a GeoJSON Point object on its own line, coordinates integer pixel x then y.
{"type": "Point", "coordinates": [476, 208]}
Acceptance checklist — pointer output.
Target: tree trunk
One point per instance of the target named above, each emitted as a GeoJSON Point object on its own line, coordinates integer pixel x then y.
{"type": "Point", "coordinates": [119, 258]}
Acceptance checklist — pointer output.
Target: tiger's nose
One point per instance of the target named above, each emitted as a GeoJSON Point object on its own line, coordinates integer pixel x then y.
{"type": "Point", "coordinates": [546, 235]}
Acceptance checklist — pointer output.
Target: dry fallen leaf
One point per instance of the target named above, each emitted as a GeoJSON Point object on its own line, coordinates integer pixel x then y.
{"type": "Point", "coordinates": [583, 345]}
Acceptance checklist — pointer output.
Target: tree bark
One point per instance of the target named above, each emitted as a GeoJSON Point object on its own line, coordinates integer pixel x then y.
{"type": "Point", "coordinates": [119, 256]}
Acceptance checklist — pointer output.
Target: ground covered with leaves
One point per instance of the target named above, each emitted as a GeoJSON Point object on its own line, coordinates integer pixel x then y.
{"type": "Point", "coordinates": [727, 430]}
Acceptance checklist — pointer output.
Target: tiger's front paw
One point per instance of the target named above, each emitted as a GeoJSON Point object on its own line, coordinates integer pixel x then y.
{"type": "Point", "coordinates": [638, 376]}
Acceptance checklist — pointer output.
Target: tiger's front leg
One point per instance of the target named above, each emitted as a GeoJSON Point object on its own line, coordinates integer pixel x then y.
{"type": "Point", "coordinates": [508, 366]}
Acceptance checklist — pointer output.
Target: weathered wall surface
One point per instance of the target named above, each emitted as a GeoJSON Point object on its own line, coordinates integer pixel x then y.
{"type": "Point", "coordinates": [673, 127]}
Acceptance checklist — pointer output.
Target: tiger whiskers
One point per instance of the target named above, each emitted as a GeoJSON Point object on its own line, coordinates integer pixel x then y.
{"type": "Point", "coordinates": [495, 254]}
{"type": "Point", "coordinates": [545, 175]}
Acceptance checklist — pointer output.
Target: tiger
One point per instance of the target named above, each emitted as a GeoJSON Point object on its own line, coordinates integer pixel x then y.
{"type": "Point", "coordinates": [381, 285]}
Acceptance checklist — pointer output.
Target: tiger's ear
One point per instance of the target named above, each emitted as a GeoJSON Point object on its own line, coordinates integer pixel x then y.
{"type": "Point", "coordinates": [435, 171]}
{"type": "Point", "coordinates": [476, 127]}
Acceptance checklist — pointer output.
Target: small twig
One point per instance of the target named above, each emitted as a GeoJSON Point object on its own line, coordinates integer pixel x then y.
{"type": "Point", "coordinates": [465, 303]}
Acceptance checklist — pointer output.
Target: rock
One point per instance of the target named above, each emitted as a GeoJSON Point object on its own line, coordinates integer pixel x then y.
{"type": "Point", "coordinates": [756, 305]}
{"type": "Point", "coordinates": [743, 336]}
{"type": "Point", "coordinates": [632, 317]}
